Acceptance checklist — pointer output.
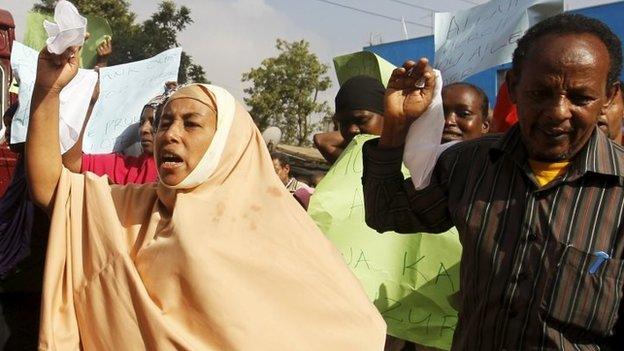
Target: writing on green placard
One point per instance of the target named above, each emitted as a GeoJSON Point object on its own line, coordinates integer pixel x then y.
{"type": "Point", "coordinates": [411, 278]}
{"type": "Point", "coordinates": [98, 28]}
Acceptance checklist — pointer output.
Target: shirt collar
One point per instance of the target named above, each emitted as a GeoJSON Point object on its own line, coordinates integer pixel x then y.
{"type": "Point", "coordinates": [600, 155]}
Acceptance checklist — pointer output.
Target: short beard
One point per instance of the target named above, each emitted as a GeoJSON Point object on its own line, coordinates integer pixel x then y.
{"type": "Point", "coordinates": [564, 156]}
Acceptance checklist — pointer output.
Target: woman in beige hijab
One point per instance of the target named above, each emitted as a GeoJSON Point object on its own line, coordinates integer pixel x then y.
{"type": "Point", "coordinates": [216, 256]}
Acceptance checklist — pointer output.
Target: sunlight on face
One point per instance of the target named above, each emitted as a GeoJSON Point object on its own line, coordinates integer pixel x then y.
{"type": "Point", "coordinates": [184, 133]}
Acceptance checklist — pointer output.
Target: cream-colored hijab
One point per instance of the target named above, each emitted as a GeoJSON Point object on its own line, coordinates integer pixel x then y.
{"type": "Point", "coordinates": [237, 265]}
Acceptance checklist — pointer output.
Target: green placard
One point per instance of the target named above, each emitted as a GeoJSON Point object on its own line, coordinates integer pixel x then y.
{"type": "Point", "coordinates": [411, 278]}
{"type": "Point", "coordinates": [35, 35]}
{"type": "Point", "coordinates": [362, 63]}
{"type": "Point", "coordinates": [99, 30]}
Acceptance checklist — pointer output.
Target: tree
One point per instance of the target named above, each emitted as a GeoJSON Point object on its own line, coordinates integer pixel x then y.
{"type": "Point", "coordinates": [284, 91]}
{"type": "Point", "coordinates": [136, 41]}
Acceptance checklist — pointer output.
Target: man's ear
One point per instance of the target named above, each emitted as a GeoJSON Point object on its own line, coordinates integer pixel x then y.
{"type": "Point", "coordinates": [287, 169]}
{"type": "Point", "coordinates": [485, 127]}
{"type": "Point", "coordinates": [511, 79]}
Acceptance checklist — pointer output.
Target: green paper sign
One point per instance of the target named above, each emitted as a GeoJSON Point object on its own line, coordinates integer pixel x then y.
{"type": "Point", "coordinates": [363, 63]}
{"type": "Point", "coordinates": [35, 35]}
{"type": "Point", "coordinates": [411, 278]}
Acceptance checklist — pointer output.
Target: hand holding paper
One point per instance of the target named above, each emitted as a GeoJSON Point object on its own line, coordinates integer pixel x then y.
{"type": "Point", "coordinates": [409, 94]}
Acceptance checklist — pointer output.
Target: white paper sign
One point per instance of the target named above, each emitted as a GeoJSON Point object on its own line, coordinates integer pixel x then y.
{"type": "Point", "coordinates": [473, 40]}
{"type": "Point", "coordinates": [124, 90]}
{"type": "Point", "coordinates": [74, 98]}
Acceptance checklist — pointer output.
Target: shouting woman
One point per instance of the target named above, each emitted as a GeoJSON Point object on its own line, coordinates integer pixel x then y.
{"type": "Point", "coordinates": [215, 256]}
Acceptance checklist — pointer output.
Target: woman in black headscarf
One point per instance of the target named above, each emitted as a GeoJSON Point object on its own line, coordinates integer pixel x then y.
{"type": "Point", "coordinates": [359, 110]}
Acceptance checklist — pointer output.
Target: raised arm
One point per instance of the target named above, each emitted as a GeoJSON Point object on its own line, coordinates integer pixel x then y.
{"type": "Point", "coordinates": [409, 94]}
{"type": "Point", "coordinates": [43, 152]}
{"type": "Point", "coordinates": [391, 203]}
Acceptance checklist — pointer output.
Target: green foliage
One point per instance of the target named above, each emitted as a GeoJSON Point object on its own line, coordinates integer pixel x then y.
{"type": "Point", "coordinates": [136, 41]}
{"type": "Point", "coordinates": [285, 90]}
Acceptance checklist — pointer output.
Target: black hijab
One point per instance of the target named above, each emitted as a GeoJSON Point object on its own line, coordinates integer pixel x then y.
{"type": "Point", "coordinates": [361, 93]}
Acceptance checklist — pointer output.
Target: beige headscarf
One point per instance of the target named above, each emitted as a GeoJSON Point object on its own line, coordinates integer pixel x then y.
{"type": "Point", "coordinates": [237, 265]}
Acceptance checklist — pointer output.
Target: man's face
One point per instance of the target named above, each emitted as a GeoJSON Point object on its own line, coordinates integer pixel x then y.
{"type": "Point", "coordinates": [146, 130]}
{"type": "Point", "coordinates": [610, 122]}
{"type": "Point", "coordinates": [463, 117]}
{"type": "Point", "coordinates": [357, 122]}
{"type": "Point", "coordinates": [282, 171]}
{"type": "Point", "coordinates": [560, 93]}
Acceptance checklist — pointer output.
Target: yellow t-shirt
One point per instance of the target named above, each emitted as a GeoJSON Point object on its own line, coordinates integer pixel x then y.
{"type": "Point", "coordinates": [546, 172]}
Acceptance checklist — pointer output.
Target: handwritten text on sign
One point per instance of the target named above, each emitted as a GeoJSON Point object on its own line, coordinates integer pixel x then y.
{"type": "Point", "coordinates": [408, 277]}
{"type": "Point", "coordinates": [74, 98]}
{"type": "Point", "coordinates": [124, 90]}
{"type": "Point", "coordinates": [484, 36]}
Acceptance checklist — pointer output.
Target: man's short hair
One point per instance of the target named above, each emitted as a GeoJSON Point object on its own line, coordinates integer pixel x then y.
{"type": "Point", "coordinates": [572, 24]}
{"type": "Point", "coordinates": [485, 102]}
{"type": "Point", "coordinates": [282, 158]}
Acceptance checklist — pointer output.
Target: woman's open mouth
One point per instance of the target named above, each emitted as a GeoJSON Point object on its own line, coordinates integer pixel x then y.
{"type": "Point", "coordinates": [169, 161]}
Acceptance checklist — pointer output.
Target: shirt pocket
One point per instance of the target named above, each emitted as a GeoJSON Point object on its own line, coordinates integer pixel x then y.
{"type": "Point", "coordinates": [576, 301]}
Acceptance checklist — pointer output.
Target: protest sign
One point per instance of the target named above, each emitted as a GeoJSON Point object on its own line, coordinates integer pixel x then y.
{"type": "Point", "coordinates": [98, 28]}
{"type": "Point", "coordinates": [362, 63]}
{"type": "Point", "coordinates": [74, 98]}
{"type": "Point", "coordinates": [124, 90]}
{"type": "Point", "coordinates": [473, 40]}
{"type": "Point", "coordinates": [411, 278]}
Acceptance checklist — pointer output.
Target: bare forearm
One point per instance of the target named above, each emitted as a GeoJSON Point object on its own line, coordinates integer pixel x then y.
{"type": "Point", "coordinates": [330, 145]}
{"type": "Point", "coordinates": [393, 134]}
{"type": "Point", "coordinates": [43, 154]}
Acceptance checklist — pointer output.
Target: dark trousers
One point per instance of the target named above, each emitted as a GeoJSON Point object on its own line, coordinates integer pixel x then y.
{"type": "Point", "coordinates": [19, 321]}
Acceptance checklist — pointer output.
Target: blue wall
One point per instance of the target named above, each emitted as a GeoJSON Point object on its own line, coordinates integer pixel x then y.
{"type": "Point", "coordinates": [399, 51]}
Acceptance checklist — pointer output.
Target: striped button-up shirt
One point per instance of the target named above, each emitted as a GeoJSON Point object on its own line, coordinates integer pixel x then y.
{"type": "Point", "coordinates": [527, 279]}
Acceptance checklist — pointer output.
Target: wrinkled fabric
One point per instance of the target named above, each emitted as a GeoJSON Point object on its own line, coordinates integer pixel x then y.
{"type": "Point", "coordinates": [75, 98]}
{"type": "Point", "coordinates": [422, 143]}
{"type": "Point", "coordinates": [16, 221]}
{"type": "Point", "coordinates": [69, 30]}
{"type": "Point", "coordinates": [236, 265]}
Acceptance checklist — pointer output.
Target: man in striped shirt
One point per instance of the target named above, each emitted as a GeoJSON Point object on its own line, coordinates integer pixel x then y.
{"type": "Point", "coordinates": [539, 209]}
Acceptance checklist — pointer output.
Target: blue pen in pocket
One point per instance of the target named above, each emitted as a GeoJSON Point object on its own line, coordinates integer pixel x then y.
{"type": "Point", "coordinates": [599, 258]}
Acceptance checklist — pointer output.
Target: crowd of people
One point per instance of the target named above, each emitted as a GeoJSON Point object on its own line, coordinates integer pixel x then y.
{"type": "Point", "coordinates": [202, 242]}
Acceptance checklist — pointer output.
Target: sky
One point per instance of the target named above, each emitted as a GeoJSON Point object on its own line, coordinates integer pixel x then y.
{"type": "Point", "coordinates": [229, 37]}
